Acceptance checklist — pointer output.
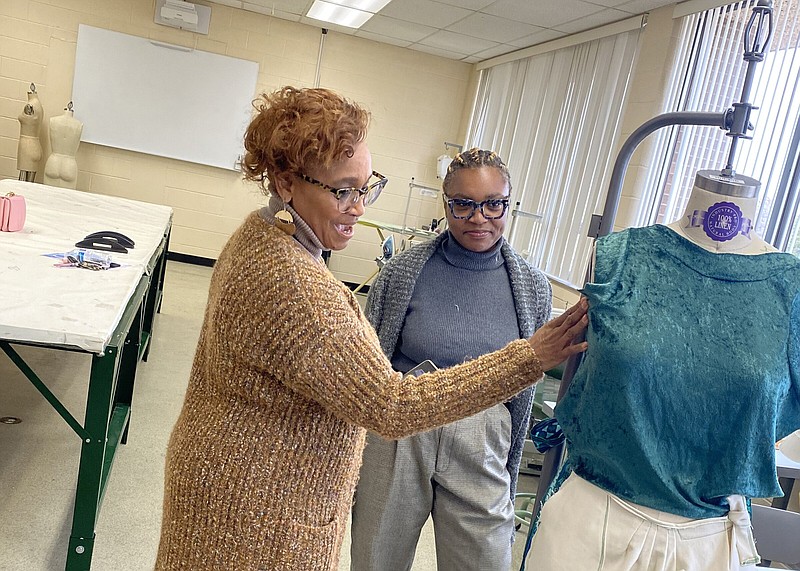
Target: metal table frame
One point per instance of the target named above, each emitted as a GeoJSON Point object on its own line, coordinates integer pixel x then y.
{"type": "Point", "coordinates": [108, 402]}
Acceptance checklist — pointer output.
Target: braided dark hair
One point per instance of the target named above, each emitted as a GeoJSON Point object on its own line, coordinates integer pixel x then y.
{"type": "Point", "coordinates": [472, 159]}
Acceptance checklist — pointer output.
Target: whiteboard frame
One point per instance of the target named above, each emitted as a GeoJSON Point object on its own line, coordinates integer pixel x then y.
{"type": "Point", "coordinates": [162, 99]}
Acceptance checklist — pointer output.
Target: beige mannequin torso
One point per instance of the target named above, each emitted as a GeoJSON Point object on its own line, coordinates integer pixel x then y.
{"type": "Point", "coordinates": [65, 136]}
{"type": "Point", "coordinates": [29, 149]}
{"type": "Point", "coordinates": [743, 242]}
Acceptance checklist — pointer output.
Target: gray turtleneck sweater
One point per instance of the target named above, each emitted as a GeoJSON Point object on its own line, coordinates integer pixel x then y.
{"type": "Point", "coordinates": [392, 292]}
{"type": "Point", "coordinates": [462, 308]}
{"type": "Point", "coordinates": [303, 232]}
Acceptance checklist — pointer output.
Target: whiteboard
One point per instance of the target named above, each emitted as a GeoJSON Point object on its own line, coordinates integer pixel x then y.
{"type": "Point", "coordinates": [161, 99]}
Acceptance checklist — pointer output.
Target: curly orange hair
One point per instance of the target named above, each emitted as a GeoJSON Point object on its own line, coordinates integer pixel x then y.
{"type": "Point", "coordinates": [295, 130]}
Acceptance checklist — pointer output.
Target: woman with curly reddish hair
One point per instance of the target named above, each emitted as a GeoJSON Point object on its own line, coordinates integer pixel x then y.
{"type": "Point", "coordinates": [288, 373]}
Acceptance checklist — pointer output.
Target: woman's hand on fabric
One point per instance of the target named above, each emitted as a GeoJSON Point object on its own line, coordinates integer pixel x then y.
{"type": "Point", "coordinates": [560, 338]}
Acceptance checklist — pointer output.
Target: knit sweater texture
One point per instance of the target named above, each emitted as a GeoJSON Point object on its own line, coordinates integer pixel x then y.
{"type": "Point", "coordinates": [263, 460]}
{"type": "Point", "coordinates": [391, 293]}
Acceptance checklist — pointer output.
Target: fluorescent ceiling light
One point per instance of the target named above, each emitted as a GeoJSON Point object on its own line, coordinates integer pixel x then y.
{"type": "Point", "coordinates": [335, 14]}
{"type": "Point", "coordinates": [373, 6]}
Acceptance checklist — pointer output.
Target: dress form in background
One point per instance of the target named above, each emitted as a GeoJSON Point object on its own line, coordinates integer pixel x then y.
{"type": "Point", "coordinates": [61, 168]}
{"type": "Point", "coordinates": [720, 214]}
{"type": "Point", "coordinates": [29, 149]}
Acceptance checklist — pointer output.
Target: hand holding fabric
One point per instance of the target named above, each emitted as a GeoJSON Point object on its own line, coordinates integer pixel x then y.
{"type": "Point", "coordinates": [559, 338]}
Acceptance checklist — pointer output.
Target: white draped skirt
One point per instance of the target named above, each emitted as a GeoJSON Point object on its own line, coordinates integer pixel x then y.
{"type": "Point", "coordinates": [585, 528]}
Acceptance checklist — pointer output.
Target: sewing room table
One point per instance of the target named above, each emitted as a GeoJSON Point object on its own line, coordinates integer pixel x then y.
{"type": "Point", "coordinates": [107, 314]}
{"type": "Point", "coordinates": [405, 231]}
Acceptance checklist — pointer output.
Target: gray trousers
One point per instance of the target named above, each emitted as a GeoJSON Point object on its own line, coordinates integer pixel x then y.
{"type": "Point", "coordinates": [456, 474]}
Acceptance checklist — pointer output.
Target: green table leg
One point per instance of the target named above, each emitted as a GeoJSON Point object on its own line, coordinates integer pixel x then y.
{"type": "Point", "coordinates": [154, 296]}
{"type": "Point", "coordinates": [88, 495]}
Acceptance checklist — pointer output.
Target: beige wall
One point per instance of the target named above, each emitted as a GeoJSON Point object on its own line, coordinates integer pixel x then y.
{"type": "Point", "coordinates": [417, 101]}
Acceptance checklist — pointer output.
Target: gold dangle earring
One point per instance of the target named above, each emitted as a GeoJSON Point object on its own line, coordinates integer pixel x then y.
{"type": "Point", "coordinates": [284, 221]}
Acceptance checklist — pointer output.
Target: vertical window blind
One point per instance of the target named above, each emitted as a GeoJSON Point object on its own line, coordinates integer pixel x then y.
{"type": "Point", "coordinates": [708, 74]}
{"type": "Point", "coordinates": [553, 118]}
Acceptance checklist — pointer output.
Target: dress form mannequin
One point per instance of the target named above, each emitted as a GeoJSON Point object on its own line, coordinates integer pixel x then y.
{"type": "Point", "coordinates": [61, 168]}
{"type": "Point", "coordinates": [720, 213]}
{"type": "Point", "coordinates": [694, 358]}
{"type": "Point", "coordinates": [29, 150]}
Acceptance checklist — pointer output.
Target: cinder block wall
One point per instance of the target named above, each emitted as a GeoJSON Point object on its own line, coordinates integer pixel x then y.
{"type": "Point", "coordinates": [417, 101]}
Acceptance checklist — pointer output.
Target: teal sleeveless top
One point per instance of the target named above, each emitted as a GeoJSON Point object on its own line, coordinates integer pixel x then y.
{"type": "Point", "coordinates": [691, 376]}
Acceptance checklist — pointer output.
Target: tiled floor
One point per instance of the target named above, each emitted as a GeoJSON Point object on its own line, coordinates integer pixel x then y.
{"type": "Point", "coordinates": [38, 458]}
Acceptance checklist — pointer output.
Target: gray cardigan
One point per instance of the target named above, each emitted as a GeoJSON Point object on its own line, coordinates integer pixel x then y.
{"type": "Point", "coordinates": [390, 295]}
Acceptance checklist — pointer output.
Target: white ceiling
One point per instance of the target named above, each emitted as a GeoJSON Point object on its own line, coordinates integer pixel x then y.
{"type": "Point", "coordinates": [467, 30]}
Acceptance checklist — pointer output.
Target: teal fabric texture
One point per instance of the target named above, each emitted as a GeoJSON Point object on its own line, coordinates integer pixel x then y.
{"type": "Point", "coordinates": [691, 376]}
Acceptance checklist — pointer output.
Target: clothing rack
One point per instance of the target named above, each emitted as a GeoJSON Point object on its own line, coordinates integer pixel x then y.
{"type": "Point", "coordinates": [424, 191]}
{"type": "Point", "coordinates": [735, 120]}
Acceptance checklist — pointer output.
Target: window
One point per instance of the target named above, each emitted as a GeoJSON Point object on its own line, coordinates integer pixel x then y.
{"type": "Point", "coordinates": [553, 118]}
{"type": "Point", "coordinates": [708, 75]}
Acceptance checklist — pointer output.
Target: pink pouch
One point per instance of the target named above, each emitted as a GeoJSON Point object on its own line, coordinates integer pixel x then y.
{"type": "Point", "coordinates": [12, 212]}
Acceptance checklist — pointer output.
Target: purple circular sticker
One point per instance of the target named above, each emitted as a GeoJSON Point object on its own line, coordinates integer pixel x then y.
{"type": "Point", "coordinates": [722, 221]}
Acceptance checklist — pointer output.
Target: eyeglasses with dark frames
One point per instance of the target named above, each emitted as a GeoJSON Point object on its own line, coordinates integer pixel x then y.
{"type": "Point", "coordinates": [347, 197]}
{"type": "Point", "coordinates": [464, 208]}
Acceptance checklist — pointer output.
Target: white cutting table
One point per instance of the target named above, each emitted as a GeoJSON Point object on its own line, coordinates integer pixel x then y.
{"type": "Point", "coordinates": [107, 314]}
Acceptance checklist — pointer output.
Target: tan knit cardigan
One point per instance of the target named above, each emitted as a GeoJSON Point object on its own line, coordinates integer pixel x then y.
{"type": "Point", "coordinates": [288, 374]}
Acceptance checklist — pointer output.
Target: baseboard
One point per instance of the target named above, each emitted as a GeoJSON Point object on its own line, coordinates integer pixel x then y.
{"type": "Point", "coordinates": [189, 259]}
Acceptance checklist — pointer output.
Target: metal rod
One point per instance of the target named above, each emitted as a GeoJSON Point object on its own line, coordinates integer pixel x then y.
{"type": "Point", "coordinates": [413, 184]}
{"type": "Point", "coordinates": [625, 153]}
{"type": "Point", "coordinates": [523, 214]}
{"type": "Point", "coordinates": [755, 47]}
{"type": "Point", "coordinates": [782, 236]}
{"type": "Point", "coordinates": [789, 179]}
{"type": "Point", "coordinates": [43, 390]}
{"type": "Point", "coordinates": [319, 56]}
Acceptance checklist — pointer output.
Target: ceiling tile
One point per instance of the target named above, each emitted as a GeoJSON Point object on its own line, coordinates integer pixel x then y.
{"type": "Point", "coordinates": [542, 13]}
{"type": "Point", "coordinates": [456, 42]}
{"type": "Point", "coordinates": [232, 3]}
{"type": "Point", "coordinates": [607, 16]}
{"type": "Point", "coordinates": [641, 6]}
{"type": "Point", "coordinates": [471, 59]}
{"type": "Point", "coordinates": [537, 38]}
{"type": "Point", "coordinates": [438, 52]}
{"type": "Point", "coordinates": [473, 4]}
{"type": "Point", "coordinates": [614, 3]}
{"type": "Point", "coordinates": [382, 38]}
{"type": "Point", "coordinates": [397, 29]}
{"type": "Point", "coordinates": [425, 12]}
{"type": "Point", "coordinates": [489, 27]}
{"type": "Point", "coordinates": [516, 23]}
{"type": "Point", "coordinates": [271, 12]}
{"type": "Point", "coordinates": [327, 25]}
{"type": "Point", "coordinates": [291, 6]}
{"type": "Point", "coordinates": [287, 16]}
{"type": "Point", "coordinates": [495, 51]}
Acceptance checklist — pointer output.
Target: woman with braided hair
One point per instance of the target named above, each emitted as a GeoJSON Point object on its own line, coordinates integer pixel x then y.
{"type": "Point", "coordinates": [451, 300]}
